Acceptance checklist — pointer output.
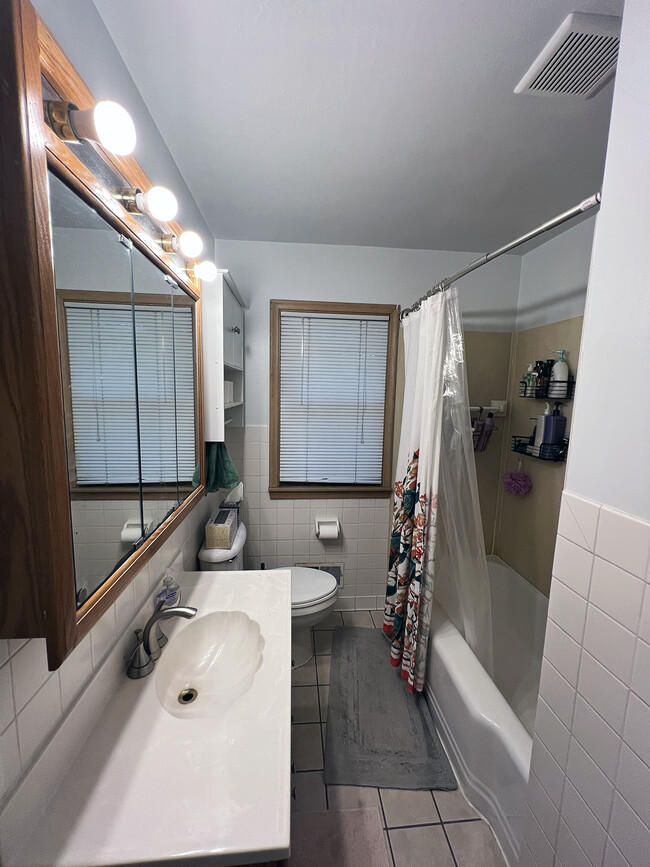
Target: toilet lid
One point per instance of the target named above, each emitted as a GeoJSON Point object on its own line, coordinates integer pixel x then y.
{"type": "Point", "coordinates": [311, 585]}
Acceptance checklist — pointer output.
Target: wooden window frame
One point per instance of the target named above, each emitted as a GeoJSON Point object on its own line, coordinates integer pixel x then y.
{"type": "Point", "coordinates": [284, 491]}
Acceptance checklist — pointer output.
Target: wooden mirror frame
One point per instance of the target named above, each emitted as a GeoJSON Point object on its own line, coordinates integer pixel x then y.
{"type": "Point", "coordinates": [37, 583]}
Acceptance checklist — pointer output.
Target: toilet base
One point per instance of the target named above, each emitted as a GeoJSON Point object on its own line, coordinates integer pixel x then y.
{"type": "Point", "coordinates": [302, 646]}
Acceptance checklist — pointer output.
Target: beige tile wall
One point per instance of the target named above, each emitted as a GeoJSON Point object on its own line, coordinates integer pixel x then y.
{"type": "Point", "coordinates": [527, 526]}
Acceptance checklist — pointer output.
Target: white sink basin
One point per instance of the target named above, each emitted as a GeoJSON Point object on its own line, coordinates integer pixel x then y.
{"type": "Point", "coordinates": [205, 783]}
{"type": "Point", "coordinates": [208, 665]}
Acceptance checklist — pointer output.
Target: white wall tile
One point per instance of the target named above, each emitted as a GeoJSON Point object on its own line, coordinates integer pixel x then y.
{"type": "Point", "coordinates": [610, 643]}
{"type": "Point", "coordinates": [557, 692]}
{"type": "Point", "coordinates": [568, 610]}
{"type": "Point", "coordinates": [623, 540]}
{"type": "Point", "coordinates": [604, 692]}
{"type": "Point", "coordinates": [539, 842]}
{"type": "Point", "coordinates": [644, 623]}
{"type": "Point", "coordinates": [599, 740]}
{"type": "Point", "coordinates": [7, 708]}
{"type": "Point", "coordinates": [29, 671]}
{"type": "Point", "coordinates": [629, 833]}
{"type": "Point", "coordinates": [619, 594]}
{"type": "Point", "coordinates": [543, 809]}
{"type": "Point", "coordinates": [547, 771]}
{"type": "Point", "coordinates": [613, 856]}
{"type": "Point", "coordinates": [552, 732]}
{"type": "Point", "coordinates": [633, 782]}
{"type": "Point", "coordinates": [9, 759]}
{"type": "Point", "coordinates": [568, 848]}
{"type": "Point", "coordinates": [594, 787]}
{"type": "Point", "coordinates": [637, 727]}
{"type": "Point", "coordinates": [641, 671]}
{"type": "Point", "coordinates": [579, 520]}
{"type": "Point", "coordinates": [587, 830]}
{"type": "Point", "coordinates": [572, 566]}
{"type": "Point", "coordinates": [38, 718]}
{"type": "Point", "coordinates": [562, 652]}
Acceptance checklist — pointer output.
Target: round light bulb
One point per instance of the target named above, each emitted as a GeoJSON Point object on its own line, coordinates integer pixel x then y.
{"type": "Point", "coordinates": [190, 245]}
{"type": "Point", "coordinates": [115, 129]}
{"type": "Point", "coordinates": [206, 271]}
{"type": "Point", "coordinates": [159, 202]}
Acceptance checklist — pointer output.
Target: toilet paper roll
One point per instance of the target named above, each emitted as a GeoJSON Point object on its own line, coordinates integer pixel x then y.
{"type": "Point", "coordinates": [328, 528]}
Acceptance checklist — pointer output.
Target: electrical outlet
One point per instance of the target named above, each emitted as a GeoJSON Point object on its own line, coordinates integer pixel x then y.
{"type": "Point", "coordinates": [498, 408]}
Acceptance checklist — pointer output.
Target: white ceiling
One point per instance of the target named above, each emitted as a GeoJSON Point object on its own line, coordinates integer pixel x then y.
{"type": "Point", "coordinates": [373, 122]}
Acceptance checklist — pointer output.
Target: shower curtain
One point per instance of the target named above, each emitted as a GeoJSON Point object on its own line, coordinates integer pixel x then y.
{"type": "Point", "coordinates": [435, 509]}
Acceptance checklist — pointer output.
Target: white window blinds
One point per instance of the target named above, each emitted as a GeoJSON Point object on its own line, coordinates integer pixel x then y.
{"type": "Point", "coordinates": [332, 391]}
{"type": "Point", "coordinates": [103, 393]}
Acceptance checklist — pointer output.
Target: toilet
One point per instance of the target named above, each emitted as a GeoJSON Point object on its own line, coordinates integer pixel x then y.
{"type": "Point", "coordinates": [313, 593]}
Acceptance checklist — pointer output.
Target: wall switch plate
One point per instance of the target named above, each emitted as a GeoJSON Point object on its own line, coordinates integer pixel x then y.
{"type": "Point", "coordinates": [498, 408]}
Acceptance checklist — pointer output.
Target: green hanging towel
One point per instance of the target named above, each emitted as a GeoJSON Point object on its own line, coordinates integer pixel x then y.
{"type": "Point", "coordinates": [220, 472]}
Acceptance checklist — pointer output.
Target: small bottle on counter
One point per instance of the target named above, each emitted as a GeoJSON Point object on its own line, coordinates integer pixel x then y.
{"type": "Point", "coordinates": [169, 593]}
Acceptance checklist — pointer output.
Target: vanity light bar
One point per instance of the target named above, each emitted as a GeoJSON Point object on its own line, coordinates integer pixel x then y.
{"type": "Point", "coordinates": [107, 123]}
{"type": "Point", "coordinates": [188, 244]}
{"type": "Point", "coordinates": [158, 202]}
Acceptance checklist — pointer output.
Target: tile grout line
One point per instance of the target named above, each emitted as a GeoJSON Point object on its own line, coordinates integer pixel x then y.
{"type": "Point", "coordinates": [320, 719]}
{"type": "Point", "coordinates": [383, 813]}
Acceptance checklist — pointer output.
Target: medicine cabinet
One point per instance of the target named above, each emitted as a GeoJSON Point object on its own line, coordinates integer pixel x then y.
{"type": "Point", "coordinates": [101, 387]}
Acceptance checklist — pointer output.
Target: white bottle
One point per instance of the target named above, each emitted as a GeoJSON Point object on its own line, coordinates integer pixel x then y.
{"type": "Point", "coordinates": [169, 593]}
{"type": "Point", "coordinates": [559, 381]}
{"type": "Point", "coordinates": [531, 381]}
{"type": "Point", "coordinates": [541, 427]}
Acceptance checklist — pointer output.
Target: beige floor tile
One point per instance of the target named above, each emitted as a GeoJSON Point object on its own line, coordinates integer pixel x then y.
{"type": "Point", "coordinates": [377, 618]}
{"type": "Point", "coordinates": [358, 618]}
{"type": "Point", "coordinates": [304, 704]}
{"type": "Point", "coordinates": [305, 675]}
{"type": "Point", "coordinates": [332, 620]}
{"type": "Point", "coordinates": [323, 641]}
{"type": "Point", "coordinates": [306, 749]}
{"type": "Point", "coordinates": [324, 692]}
{"type": "Point", "coordinates": [408, 807]}
{"type": "Point", "coordinates": [309, 792]}
{"type": "Point", "coordinates": [474, 843]}
{"type": "Point", "coordinates": [353, 798]}
{"type": "Point", "coordinates": [453, 806]}
{"type": "Point", "coordinates": [323, 664]}
{"type": "Point", "coordinates": [422, 847]}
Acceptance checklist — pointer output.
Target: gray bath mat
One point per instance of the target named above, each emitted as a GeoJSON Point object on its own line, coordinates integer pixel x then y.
{"type": "Point", "coordinates": [346, 838]}
{"type": "Point", "coordinates": [377, 733]}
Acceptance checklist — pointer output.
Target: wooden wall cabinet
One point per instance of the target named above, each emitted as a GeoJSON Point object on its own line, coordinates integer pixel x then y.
{"type": "Point", "coordinates": [37, 581]}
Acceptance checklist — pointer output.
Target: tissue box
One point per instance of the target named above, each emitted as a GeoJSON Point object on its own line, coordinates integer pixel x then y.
{"type": "Point", "coordinates": [221, 529]}
{"type": "Point", "coordinates": [236, 506]}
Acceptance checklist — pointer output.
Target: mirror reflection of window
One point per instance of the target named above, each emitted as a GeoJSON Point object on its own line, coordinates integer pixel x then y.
{"type": "Point", "coordinates": [126, 338]}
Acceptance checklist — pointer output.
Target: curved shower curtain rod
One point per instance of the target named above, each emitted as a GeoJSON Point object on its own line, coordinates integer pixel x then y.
{"type": "Point", "coordinates": [586, 205]}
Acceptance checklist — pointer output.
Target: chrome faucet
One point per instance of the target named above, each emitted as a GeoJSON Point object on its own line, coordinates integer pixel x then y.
{"type": "Point", "coordinates": [149, 645]}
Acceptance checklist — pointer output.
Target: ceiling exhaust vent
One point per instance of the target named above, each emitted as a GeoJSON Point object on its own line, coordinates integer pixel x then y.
{"type": "Point", "coordinates": [579, 59]}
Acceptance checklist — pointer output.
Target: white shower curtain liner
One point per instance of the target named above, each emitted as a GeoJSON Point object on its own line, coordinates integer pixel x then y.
{"type": "Point", "coordinates": [437, 536]}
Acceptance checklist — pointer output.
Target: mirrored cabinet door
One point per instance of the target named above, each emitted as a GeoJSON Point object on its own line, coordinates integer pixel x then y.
{"type": "Point", "coordinates": [92, 270]}
{"type": "Point", "coordinates": [185, 374]}
{"type": "Point", "coordinates": [156, 390]}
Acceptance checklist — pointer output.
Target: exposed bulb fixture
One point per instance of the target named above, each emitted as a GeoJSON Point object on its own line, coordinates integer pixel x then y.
{"type": "Point", "coordinates": [107, 123]}
{"type": "Point", "coordinates": [158, 203]}
{"type": "Point", "coordinates": [206, 271]}
{"type": "Point", "coordinates": [188, 244]}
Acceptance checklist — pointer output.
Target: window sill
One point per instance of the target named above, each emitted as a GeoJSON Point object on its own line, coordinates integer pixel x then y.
{"type": "Point", "coordinates": [329, 492]}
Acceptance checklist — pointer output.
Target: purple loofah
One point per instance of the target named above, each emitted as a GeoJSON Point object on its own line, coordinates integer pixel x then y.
{"type": "Point", "coordinates": [517, 483]}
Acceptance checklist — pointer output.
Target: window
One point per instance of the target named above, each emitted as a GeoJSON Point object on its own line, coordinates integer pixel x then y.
{"type": "Point", "coordinates": [101, 393]}
{"type": "Point", "coordinates": [332, 398]}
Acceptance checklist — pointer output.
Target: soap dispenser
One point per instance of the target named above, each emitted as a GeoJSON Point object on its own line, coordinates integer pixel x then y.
{"type": "Point", "coordinates": [170, 593]}
{"type": "Point", "coordinates": [559, 383]}
{"type": "Point", "coordinates": [555, 426]}
{"type": "Point", "coordinates": [541, 431]}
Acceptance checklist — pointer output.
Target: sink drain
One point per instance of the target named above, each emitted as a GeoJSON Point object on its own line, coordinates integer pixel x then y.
{"type": "Point", "coordinates": [187, 696]}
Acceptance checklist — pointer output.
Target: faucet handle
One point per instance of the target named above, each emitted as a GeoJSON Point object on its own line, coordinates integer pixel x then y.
{"type": "Point", "coordinates": [140, 663]}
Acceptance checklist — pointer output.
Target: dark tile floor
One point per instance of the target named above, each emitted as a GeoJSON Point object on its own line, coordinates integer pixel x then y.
{"type": "Point", "coordinates": [432, 829]}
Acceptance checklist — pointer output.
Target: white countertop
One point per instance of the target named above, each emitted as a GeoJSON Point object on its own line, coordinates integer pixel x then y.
{"type": "Point", "coordinates": [148, 787]}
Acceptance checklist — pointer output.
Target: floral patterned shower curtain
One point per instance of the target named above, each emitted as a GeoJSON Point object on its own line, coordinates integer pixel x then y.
{"type": "Point", "coordinates": [409, 593]}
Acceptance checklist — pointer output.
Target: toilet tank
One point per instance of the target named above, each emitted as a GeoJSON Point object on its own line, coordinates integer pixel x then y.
{"type": "Point", "coordinates": [224, 559]}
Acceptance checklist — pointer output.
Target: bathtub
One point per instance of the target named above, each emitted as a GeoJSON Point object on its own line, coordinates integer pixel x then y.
{"type": "Point", "coordinates": [486, 724]}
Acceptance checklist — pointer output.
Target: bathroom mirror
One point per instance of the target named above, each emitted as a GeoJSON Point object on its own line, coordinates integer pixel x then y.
{"type": "Point", "coordinates": [127, 353]}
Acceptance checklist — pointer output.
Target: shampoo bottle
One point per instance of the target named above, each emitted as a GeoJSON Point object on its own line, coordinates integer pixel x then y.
{"type": "Point", "coordinates": [540, 428]}
{"type": "Point", "coordinates": [559, 383]}
{"type": "Point", "coordinates": [488, 427]}
{"type": "Point", "coordinates": [555, 426]}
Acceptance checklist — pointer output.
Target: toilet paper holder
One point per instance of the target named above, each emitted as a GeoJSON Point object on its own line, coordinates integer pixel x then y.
{"type": "Point", "coordinates": [327, 528]}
